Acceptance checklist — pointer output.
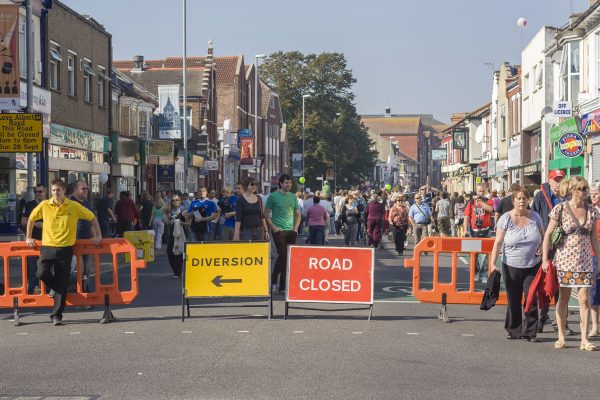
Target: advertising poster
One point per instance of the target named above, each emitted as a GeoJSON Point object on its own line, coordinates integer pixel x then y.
{"type": "Point", "coordinates": [246, 146]}
{"type": "Point", "coordinates": [168, 106]}
{"type": "Point", "coordinates": [10, 82]}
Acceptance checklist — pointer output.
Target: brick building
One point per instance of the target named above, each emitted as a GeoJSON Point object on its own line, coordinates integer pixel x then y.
{"type": "Point", "coordinates": [77, 58]}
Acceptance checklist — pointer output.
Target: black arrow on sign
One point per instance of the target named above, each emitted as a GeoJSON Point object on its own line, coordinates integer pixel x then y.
{"type": "Point", "coordinates": [217, 281]}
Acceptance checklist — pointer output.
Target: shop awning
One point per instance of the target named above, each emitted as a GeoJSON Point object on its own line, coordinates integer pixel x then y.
{"type": "Point", "coordinates": [567, 163]}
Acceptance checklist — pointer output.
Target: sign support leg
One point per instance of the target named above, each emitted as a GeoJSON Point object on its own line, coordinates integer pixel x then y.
{"type": "Point", "coordinates": [444, 310]}
{"type": "Point", "coordinates": [16, 311]}
{"type": "Point", "coordinates": [285, 312]}
{"type": "Point", "coordinates": [270, 305]}
{"type": "Point", "coordinates": [108, 315]}
{"type": "Point", "coordinates": [182, 307]}
{"type": "Point", "coordinates": [188, 307]}
{"type": "Point", "coordinates": [370, 312]}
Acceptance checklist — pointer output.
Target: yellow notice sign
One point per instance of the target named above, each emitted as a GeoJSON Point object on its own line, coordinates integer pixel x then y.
{"type": "Point", "coordinates": [227, 269]}
{"type": "Point", "coordinates": [21, 133]}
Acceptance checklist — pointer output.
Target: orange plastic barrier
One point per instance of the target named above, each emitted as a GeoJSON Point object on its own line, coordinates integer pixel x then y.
{"type": "Point", "coordinates": [106, 294]}
{"type": "Point", "coordinates": [448, 292]}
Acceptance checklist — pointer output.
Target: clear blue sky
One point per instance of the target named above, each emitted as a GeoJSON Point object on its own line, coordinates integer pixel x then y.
{"type": "Point", "coordinates": [417, 56]}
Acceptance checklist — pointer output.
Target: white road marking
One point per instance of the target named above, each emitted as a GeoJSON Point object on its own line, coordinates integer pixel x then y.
{"type": "Point", "coordinates": [357, 333]}
{"type": "Point", "coordinates": [468, 334]}
{"type": "Point", "coordinates": [243, 331]}
{"type": "Point", "coordinates": [129, 332]}
{"type": "Point", "coordinates": [74, 333]}
{"type": "Point", "coordinates": [186, 331]}
{"type": "Point", "coordinates": [258, 315]}
{"type": "Point", "coordinates": [139, 373]}
{"type": "Point", "coordinates": [297, 331]}
{"type": "Point", "coordinates": [412, 333]}
{"type": "Point", "coordinates": [22, 333]}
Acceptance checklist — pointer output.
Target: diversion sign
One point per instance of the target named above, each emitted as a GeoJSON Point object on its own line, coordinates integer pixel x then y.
{"type": "Point", "coordinates": [227, 269]}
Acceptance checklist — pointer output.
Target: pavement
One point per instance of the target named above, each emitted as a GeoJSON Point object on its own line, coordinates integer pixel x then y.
{"type": "Point", "coordinates": [230, 350]}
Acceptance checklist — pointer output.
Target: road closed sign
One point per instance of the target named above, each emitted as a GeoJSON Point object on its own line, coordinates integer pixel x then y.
{"type": "Point", "coordinates": [226, 269]}
{"type": "Point", "coordinates": [330, 275]}
{"type": "Point", "coordinates": [21, 133]}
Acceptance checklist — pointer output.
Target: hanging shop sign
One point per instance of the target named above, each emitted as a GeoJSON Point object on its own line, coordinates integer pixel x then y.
{"type": "Point", "coordinates": [9, 47]}
{"type": "Point", "coordinates": [459, 138]}
{"type": "Point", "coordinates": [169, 126]}
{"type": "Point", "coordinates": [567, 126]}
{"type": "Point", "coordinates": [562, 109]}
{"type": "Point", "coordinates": [211, 165]}
{"type": "Point", "coordinates": [21, 133]}
{"type": "Point", "coordinates": [160, 148]}
{"type": "Point", "coordinates": [439, 154]}
{"type": "Point", "coordinates": [571, 144]}
{"type": "Point", "coordinates": [590, 123]}
{"type": "Point", "coordinates": [246, 146]}
{"type": "Point", "coordinates": [165, 173]}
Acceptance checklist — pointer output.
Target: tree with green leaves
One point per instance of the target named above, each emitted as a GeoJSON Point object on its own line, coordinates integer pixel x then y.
{"type": "Point", "coordinates": [334, 135]}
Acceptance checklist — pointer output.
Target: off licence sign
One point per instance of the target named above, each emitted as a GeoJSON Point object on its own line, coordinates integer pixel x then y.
{"type": "Point", "coordinates": [21, 133]}
{"type": "Point", "coordinates": [330, 275]}
{"type": "Point", "coordinates": [227, 269]}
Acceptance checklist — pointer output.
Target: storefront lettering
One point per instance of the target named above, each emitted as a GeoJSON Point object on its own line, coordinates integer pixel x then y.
{"type": "Point", "coordinates": [64, 136]}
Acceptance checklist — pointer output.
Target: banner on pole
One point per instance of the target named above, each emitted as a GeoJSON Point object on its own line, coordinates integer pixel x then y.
{"type": "Point", "coordinates": [168, 106]}
{"type": "Point", "coordinates": [246, 146]}
{"type": "Point", "coordinates": [297, 164]}
{"type": "Point", "coordinates": [10, 87]}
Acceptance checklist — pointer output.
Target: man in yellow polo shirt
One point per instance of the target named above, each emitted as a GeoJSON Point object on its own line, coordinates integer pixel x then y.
{"type": "Point", "coordinates": [59, 232]}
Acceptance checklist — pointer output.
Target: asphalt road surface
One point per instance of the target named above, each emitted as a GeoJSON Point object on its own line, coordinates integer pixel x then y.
{"type": "Point", "coordinates": [230, 350]}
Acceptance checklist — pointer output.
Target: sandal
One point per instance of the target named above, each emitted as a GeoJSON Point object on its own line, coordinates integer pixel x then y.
{"type": "Point", "coordinates": [559, 344]}
{"type": "Point", "coordinates": [588, 347]}
{"type": "Point", "coordinates": [594, 334]}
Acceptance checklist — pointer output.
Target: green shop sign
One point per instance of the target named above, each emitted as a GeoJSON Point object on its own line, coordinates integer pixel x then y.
{"type": "Point", "coordinates": [77, 139]}
{"type": "Point", "coordinates": [571, 125]}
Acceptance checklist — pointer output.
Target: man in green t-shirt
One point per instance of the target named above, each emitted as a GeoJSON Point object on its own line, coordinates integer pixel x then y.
{"type": "Point", "coordinates": [283, 217]}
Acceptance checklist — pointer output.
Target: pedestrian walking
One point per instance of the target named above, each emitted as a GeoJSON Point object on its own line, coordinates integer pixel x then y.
{"type": "Point", "coordinates": [595, 291]}
{"type": "Point", "coordinates": [59, 232]}
{"type": "Point", "coordinates": [126, 212]}
{"type": "Point", "coordinates": [176, 241]}
{"type": "Point", "coordinates": [398, 219]}
{"type": "Point", "coordinates": [250, 222]}
{"type": "Point", "coordinates": [374, 215]}
{"type": "Point", "coordinates": [105, 213]}
{"type": "Point", "coordinates": [419, 216]}
{"type": "Point", "coordinates": [84, 231]}
{"type": "Point", "coordinates": [227, 203]}
{"type": "Point", "coordinates": [573, 257]}
{"type": "Point", "coordinates": [215, 224]}
{"type": "Point", "coordinates": [519, 235]}
{"type": "Point", "coordinates": [158, 222]}
{"type": "Point", "coordinates": [39, 196]}
{"type": "Point", "coordinates": [283, 217]}
{"type": "Point", "coordinates": [146, 210]}
{"type": "Point", "coordinates": [442, 207]}
{"type": "Point", "coordinates": [544, 201]}
{"type": "Point", "coordinates": [317, 218]}
{"type": "Point", "coordinates": [459, 215]}
{"type": "Point", "coordinates": [349, 217]}
{"type": "Point", "coordinates": [478, 223]}
{"type": "Point", "coordinates": [202, 210]}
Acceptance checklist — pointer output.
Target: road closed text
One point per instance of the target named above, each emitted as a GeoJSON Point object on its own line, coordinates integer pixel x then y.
{"type": "Point", "coordinates": [330, 274]}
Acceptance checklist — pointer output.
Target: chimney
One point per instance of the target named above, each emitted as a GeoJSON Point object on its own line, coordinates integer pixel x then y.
{"type": "Point", "coordinates": [138, 64]}
{"type": "Point", "coordinates": [388, 112]}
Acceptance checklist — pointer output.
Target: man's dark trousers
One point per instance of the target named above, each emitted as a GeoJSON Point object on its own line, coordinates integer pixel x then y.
{"type": "Point", "coordinates": [282, 239]}
{"type": "Point", "coordinates": [59, 259]}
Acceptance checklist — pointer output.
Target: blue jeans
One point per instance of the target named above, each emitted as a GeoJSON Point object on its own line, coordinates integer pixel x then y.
{"type": "Point", "coordinates": [316, 234]}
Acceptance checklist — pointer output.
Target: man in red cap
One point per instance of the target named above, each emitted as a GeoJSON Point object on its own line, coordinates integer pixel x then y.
{"type": "Point", "coordinates": [543, 202]}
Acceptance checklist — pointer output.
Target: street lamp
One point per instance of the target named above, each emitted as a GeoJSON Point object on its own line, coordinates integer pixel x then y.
{"type": "Point", "coordinates": [256, 57]}
{"type": "Point", "coordinates": [304, 97]}
{"type": "Point", "coordinates": [185, 133]}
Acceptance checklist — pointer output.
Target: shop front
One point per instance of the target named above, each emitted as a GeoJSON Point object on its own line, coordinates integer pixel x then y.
{"type": "Point", "coordinates": [124, 165]}
{"type": "Point", "coordinates": [75, 154]}
{"type": "Point", "coordinates": [567, 148]}
{"type": "Point", "coordinates": [590, 129]}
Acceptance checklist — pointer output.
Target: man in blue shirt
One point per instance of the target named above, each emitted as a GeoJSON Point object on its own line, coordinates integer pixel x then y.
{"type": "Point", "coordinates": [201, 212]}
{"type": "Point", "coordinates": [419, 215]}
{"type": "Point", "coordinates": [227, 204]}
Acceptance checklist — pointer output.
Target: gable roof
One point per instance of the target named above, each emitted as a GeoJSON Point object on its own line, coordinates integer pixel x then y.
{"type": "Point", "coordinates": [393, 125]}
{"type": "Point", "coordinates": [226, 66]}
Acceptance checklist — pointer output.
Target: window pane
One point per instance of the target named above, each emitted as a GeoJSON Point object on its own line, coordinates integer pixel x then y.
{"type": "Point", "coordinates": [564, 60]}
{"type": "Point", "coordinates": [574, 57]}
{"type": "Point", "coordinates": [574, 88]}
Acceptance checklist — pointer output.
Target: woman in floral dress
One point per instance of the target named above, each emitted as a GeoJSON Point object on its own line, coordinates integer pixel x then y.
{"type": "Point", "coordinates": [573, 259]}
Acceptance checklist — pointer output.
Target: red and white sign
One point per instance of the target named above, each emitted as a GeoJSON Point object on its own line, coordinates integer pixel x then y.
{"type": "Point", "coordinates": [330, 275]}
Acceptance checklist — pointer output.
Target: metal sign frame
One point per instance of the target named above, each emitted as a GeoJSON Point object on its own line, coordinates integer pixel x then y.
{"type": "Point", "coordinates": [185, 300]}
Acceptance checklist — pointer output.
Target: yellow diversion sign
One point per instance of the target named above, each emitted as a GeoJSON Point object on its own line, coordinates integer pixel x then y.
{"type": "Point", "coordinates": [20, 133]}
{"type": "Point", "coordinates": [226, 269]}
